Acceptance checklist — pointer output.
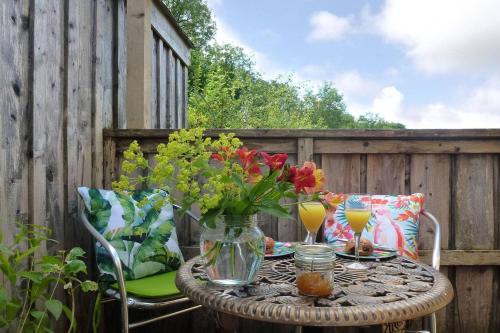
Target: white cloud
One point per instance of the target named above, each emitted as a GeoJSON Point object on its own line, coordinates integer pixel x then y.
{"type": "Point", "coordinates": [328, 26]}
{"type": "Point", "coordinates": [479, 109]}
{"type": "Point", "coordinates": [446, 35]}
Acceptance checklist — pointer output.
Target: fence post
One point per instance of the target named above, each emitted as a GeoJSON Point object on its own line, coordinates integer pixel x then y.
{"type": "Point", "coordinates": [305, 150]}
{"type": "Point", "coordinates": [139, 64]}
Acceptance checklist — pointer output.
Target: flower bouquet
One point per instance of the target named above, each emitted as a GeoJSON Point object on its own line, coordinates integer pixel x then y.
{"type": "Point", "coordinates": [229, 184]}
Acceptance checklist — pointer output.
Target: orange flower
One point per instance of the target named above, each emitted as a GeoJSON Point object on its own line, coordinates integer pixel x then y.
{"type": "Point", "coordinates": [247, 157]}
{"type": "Point", "coordinates": [333, 199]}
{"type": "Point", "coordinates": [319, 178]}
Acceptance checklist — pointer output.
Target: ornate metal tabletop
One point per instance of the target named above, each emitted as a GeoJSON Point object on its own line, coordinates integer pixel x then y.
{"type": "Point", "coordinates": [391, 291]}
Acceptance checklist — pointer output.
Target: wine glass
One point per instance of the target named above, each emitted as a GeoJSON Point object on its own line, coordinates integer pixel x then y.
{"type": "Point", "coordinates": [357, 212]}
{"type": "Point", "coordinates": [312, 214]}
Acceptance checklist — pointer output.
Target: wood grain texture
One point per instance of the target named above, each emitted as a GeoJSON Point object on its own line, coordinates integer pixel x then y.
{"type": "Point", "coordinates": [318, 134]}
{"type": "Point", "coordinates": [409, 147]}
{"type": "Point", "coordinates": [162, 85]}
{"type": "Point", "coordinates": [430, 175]}
{"type": "Point", "coordinates": [155, 78]}
{"type": "Point", "coordinates": [179, 93]}
{"type": "Point", "coordinates": [343, 172]}
{"type": "Point", "coordinates": [171, 112]}
{"type": "Point", "coordinates": [385, 174]}
{"type": "Point", "coordinates": [474, 230]}
{"type": "Point", "coordinates": [120, 49]}
{"type": "Point", "coordinates": [15, 118]}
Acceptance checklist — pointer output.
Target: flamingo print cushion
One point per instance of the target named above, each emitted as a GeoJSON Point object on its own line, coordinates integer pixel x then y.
{"type": "Point", "coordinates": [394, 223]}
{"type": "Point", "coordinates": [143, 235]}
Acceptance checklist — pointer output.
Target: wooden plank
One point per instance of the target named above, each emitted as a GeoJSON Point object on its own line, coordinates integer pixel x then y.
{"type": "Point", "coordinates": [337, 134]}
{"type": "Point", "coordinates": [171, 112]}
{"type": "Point", "coordinates": [139, 64]}
{"type": "Point", "coordinates": [305, 149]}
{"type": "Point", "coordinates": [14, 118]}
{"type": "Point", "coordinates": [103, 94]}
{"type": "Point", "coordinates": [474, 220]}
{"type": "Point", "coordinates": [385, 174]}
{"type": "Point", "coordinates": [430, 175]}
{"type": "Point", "coordinates": [464, 257]}
{"type": "Point", "coordinates": [80, 85]}
{"type": "Point", "coordinates": [185, 115]}
{"type": "Point", "coordinates": [474, 205]}
{"type": "Point", "coordinates": [179, 93]}
{"type": "Point", "coordinates": [406, 147]}
{"type": "Point", "coordinates": [154, 81]}
{"type": "Point", "coordinates": [162, 86]}
{"type": "Point", "coordinates": [318, 134]}
{"type": "Point", "coordinates": [121, 64]}
{"type": "Point", "coordinates": [342, 172]}
{"type": "Point", "coordinates": [287, 228]}
{"type": "Point", "coordinates": [164, 28]}
{"type": "Point", "coordinates": [109, 161]}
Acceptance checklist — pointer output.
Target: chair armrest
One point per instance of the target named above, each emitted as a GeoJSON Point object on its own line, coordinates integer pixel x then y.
{"type": "Point", "coordinates": [436, 249]}
{"type": "Point", "coordinates": [189, 213]}
{"type": "Point", "coordinates": [115, 258]}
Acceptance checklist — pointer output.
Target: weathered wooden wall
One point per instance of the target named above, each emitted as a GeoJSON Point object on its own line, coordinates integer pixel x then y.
{"type": "Point", "coordinates": [64, 73]}
{"type": "Point", "coordinates": [457, 170]}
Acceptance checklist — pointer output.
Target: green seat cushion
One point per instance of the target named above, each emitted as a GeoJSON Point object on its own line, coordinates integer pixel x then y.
{"type": "Point", "coordinates": [160, 285]}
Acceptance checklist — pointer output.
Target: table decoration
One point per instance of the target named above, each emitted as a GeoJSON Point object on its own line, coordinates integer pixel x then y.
{"type": "Point", "coordinates": [229, 183]}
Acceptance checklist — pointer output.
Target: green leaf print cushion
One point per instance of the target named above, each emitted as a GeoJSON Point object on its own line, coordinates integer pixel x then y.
{"type": "Point", "coordinates": [143, 235]}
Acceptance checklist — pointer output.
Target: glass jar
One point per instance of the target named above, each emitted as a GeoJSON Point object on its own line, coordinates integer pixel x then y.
{"type": "Point", "coordinates": [314, 269]}
{"type": "Point", "coordinates": [233, 251]}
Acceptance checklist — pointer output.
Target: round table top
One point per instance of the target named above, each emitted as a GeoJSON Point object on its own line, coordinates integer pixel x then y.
{"type": "Point", "coordinates": [390, 291]}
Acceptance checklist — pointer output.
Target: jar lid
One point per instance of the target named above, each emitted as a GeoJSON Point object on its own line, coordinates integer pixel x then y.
{"type": "Point", "coordinates": [315, 257]}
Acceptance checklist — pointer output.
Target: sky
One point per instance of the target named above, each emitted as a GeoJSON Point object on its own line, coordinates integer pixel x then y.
{"type": "Point", "coordinates": [423, 63]}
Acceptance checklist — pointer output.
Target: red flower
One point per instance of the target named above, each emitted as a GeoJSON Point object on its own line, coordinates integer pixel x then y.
{"type": "Point", "coordinates": [319, 178]}
{"type": "Point", "coordinates": [218, 157]}
{"type": "Point", "coordinates": [247, 157]}
{"type": "Point", "coordinates": [274, 162]}
{"type": "Point", "coordinates": [302, 178]}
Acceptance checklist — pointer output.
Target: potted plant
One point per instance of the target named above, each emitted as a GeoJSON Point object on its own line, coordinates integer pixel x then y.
{"type": "Point", "coordinates": [230, 184]}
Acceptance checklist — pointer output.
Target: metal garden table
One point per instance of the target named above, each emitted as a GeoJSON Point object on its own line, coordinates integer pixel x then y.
{"type": "Point", "coordinates": [388, 293]}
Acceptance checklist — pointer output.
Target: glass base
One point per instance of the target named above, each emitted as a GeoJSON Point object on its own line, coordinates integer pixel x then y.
{"type": "Point", "coordinates": [356, 266]}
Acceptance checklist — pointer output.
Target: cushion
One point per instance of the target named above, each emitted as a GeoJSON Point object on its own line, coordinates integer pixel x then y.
{"type": "Point", "coordinates": [160, 285]}
{"type": "Point", "coordinates": [394, 223]}
{"type": "Point", "coordinates": [140, 227]}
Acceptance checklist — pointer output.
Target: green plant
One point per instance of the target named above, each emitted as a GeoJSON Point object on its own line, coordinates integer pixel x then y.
{"type": "Point", "coordinates": [220, 176]}
{"type": "Point", "coordinates": [27, 297]}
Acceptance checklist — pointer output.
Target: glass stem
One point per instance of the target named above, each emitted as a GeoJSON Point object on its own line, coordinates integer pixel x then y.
{"type": "Point", "coordinates": [357, 236]}
{"type": "Point", "coordinates": [310, 238]}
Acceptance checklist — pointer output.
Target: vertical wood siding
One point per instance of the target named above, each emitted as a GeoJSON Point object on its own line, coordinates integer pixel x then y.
{"type": "Point", "coordinates": [64, 71]}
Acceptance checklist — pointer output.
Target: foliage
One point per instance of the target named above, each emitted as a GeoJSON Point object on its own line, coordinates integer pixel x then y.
{"type": "Point", "coordinates": [195, 19]}
{"type": "Point", "coordinates": [27, 302]}
{"type": "Point", "coordinates": [226, 91]}
{"type": "Point", "coordinates": [220, 176]}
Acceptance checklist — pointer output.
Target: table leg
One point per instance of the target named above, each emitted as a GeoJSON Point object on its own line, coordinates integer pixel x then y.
{"type": "Point", "coordinates": [397, 327]}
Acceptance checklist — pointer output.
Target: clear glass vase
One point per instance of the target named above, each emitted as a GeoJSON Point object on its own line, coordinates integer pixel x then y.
{"type": "Point", "coordinates": [233, 251]}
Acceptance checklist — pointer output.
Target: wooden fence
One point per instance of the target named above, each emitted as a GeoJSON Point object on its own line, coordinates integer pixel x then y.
{"type": "Point", "coordinates": [64, 79]}
{"type": "Point", "coordinates": [457, 170]}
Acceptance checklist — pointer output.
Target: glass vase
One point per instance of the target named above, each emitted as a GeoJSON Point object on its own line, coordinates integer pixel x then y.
{"type": "Point", "coordinates": [233, 251]}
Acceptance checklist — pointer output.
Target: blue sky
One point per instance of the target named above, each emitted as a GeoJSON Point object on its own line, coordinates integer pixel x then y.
{"type": "Point", "coordinates": [424, 63]}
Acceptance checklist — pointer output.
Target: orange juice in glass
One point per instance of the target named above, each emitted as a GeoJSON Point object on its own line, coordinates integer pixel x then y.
{"type": "Point", "coordinates": [357, 210]}
{"type": "Point", "coordinates": [312, 215]}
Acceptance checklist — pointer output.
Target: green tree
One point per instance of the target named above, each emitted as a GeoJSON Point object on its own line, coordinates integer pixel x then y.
{"type": "Point", "coordinates": [195, 19]}
{"type": "Point", "coordinates": [225, 90]}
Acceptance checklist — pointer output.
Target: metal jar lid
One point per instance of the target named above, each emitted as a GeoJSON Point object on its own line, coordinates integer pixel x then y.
{"type": "Point", "coordinates": [314, 257]}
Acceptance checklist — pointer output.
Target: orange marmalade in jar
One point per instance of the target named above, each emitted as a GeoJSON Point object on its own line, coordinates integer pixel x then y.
{"type": "Point", "coordinates": [314, 269]}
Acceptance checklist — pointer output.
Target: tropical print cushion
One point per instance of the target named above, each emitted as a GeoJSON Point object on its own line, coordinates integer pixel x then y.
{"type": "Point", "coordinates": [394, 223]}
{"type": "Point", "coordinates": [140, 227]}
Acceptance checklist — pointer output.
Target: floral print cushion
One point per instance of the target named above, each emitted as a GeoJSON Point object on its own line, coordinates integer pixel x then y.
{"type": "Point", "coordinates": [143, 234]}
{"type": "Point", "coordinates": [394, 223]}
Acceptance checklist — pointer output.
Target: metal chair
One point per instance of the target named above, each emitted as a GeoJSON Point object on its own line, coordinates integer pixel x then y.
{"type": "Point", "coordinates": [436, 258]}
{"type": "Point", "coordinates": [132, 301]}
